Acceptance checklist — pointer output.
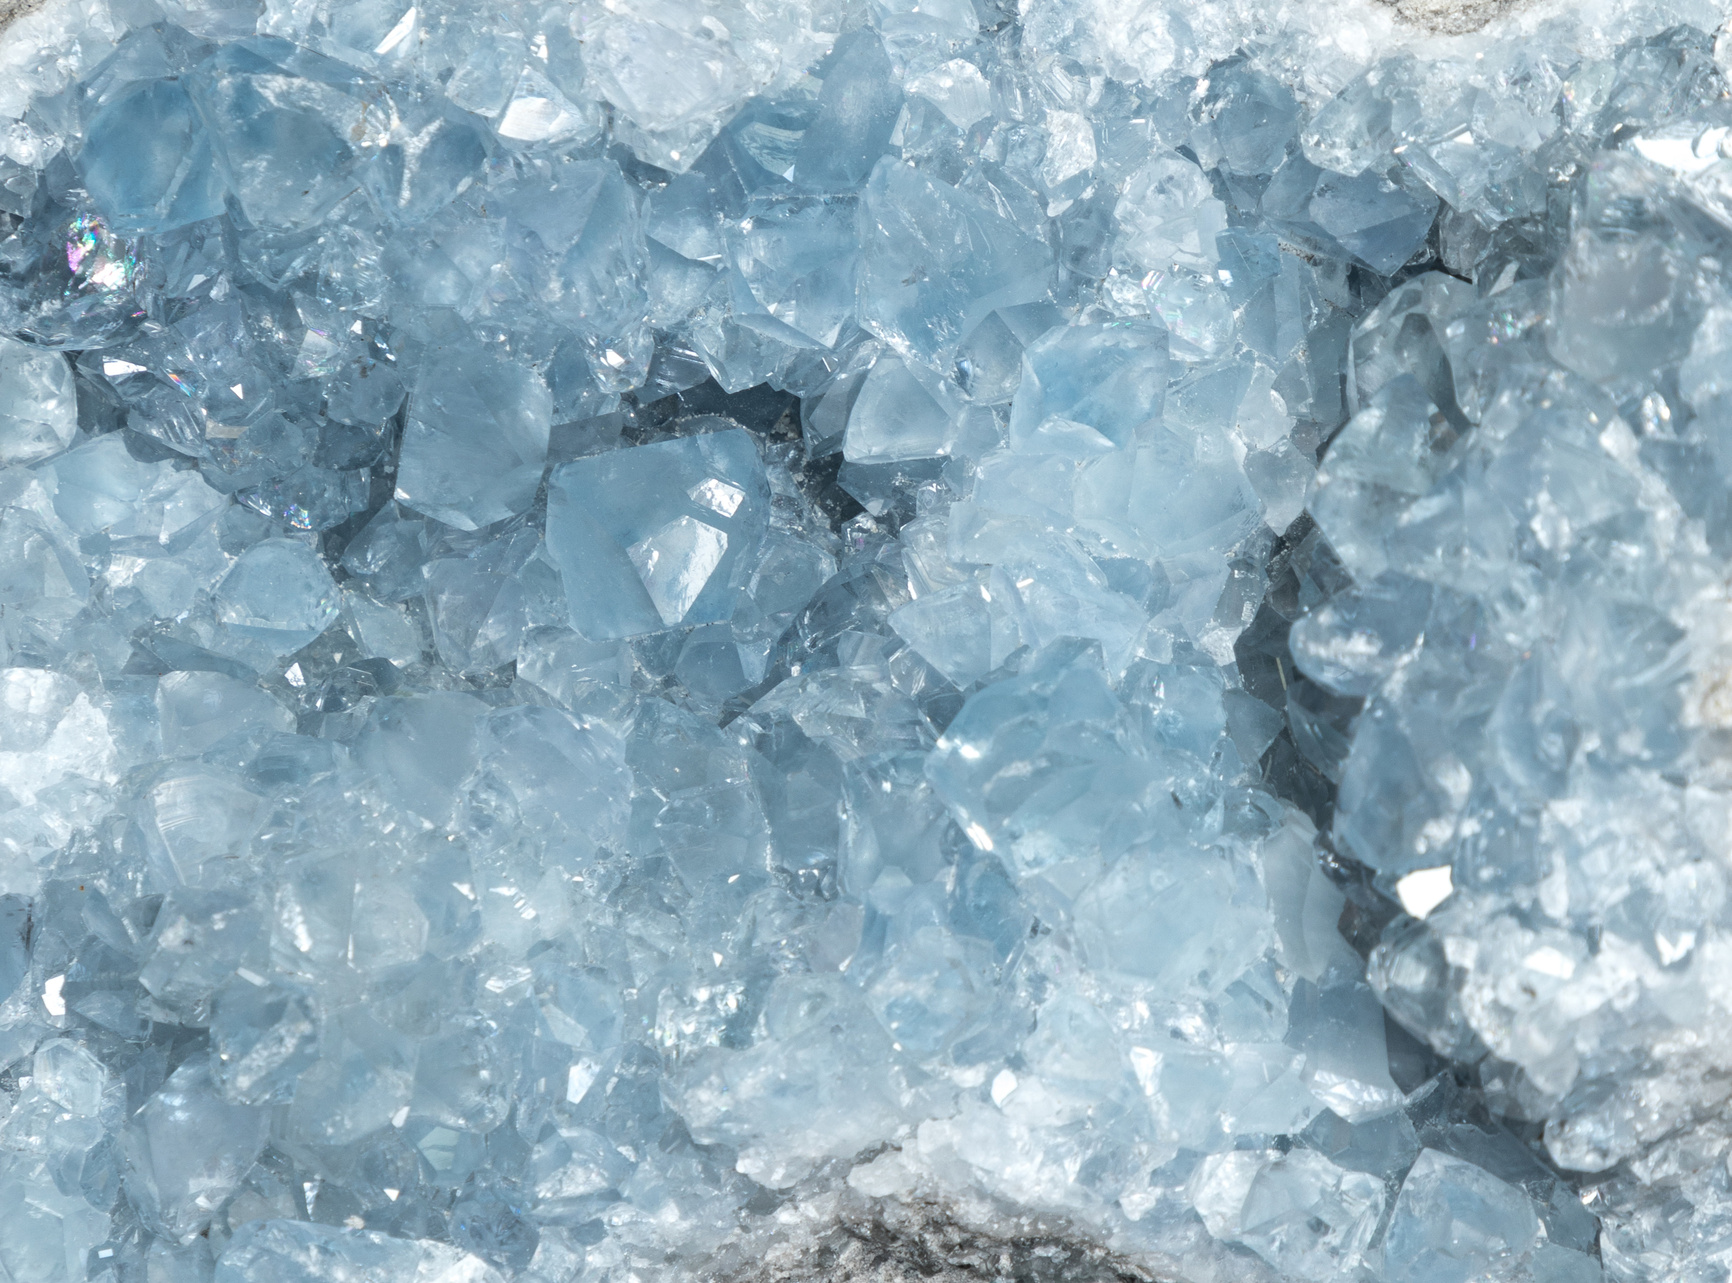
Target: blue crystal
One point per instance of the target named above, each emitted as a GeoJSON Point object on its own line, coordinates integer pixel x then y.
{"type": "Point", "coordinates": [935, 261]}
{"type": "Point", "coordinates": [147, 160]}
{"type": "Point", "coordinates": [293, 130]}
{"type": "Point", "coordinates": [856, 113]}
{"type": "Point", "coordinates": [475, 439]}
{"type": "Point", "coordinates": [1375, 219]}
{"type": "Point", "coordinates": [660, 535]}
{"type": "Point", "coordinates": [38, 405]}
{"type": "Point", "coordinates": [1454, 1221]}
{"type": "Point", "coordinates": [279, 593]}
{"type": "Point", "coordinates": [187, 1150]}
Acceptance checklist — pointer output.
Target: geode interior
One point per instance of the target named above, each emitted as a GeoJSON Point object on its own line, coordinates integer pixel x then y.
{"type": "Point", "coordinates": [762, 640]}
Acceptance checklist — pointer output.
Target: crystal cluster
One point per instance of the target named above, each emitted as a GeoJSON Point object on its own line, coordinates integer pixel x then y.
{"type": "Point", "coordinates": [628, 630]}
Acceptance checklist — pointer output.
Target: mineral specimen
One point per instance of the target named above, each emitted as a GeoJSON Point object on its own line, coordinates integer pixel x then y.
{"type": "Point", "coordinates": [773, 639]}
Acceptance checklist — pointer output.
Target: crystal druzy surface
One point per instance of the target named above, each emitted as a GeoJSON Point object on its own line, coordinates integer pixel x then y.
{"type": "Point", "coordinates": [660, 640]}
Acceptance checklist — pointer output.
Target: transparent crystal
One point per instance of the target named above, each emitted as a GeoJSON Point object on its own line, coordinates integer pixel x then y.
{"type": "Point", "coordinates": [475, 439]}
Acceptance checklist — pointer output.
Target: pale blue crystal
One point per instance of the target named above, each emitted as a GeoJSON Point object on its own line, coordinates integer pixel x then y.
{"type": "Point", "coordinates": [1043, 766]}
{"type": "Point", "coordinates": [434, 154]}
{"type": "Point", "coordinates": [1627, 299]}
{"type": "Point", "coordinates": [50, 1233]}
{"type": "Point", "coordinates": [199, 710]}
{"type": "Point", "coordinates": [1454, 1222]}
{"type": "Point", "coordinates": [475, 439]}
{"type": "Point", "coordinates": [1375, 219]}
{"type": "Point", "coordinates": [293, 130]}
{"type": "Point", "coordinates": [1247, 120]}
{"type": "Point", "coordinates": [1108, 380]}
{"type": "Point", "coordinates": [797, 260]}
{"type": "Point", "coordinates": [935, 261]}
{"type": "Point", "coordinates": [263, 1038]}
{"type": "Point", "coordinates": [147, 160]}
{"type": "Point", "coordinates": [278, 593]}
{"type": "Point", "coordinates": [38, 403]}
{"type": "Point", "coordinates": [187, 1150]}
{"type": "Point", "coordinates": [658, 536]}
{"type": "Point", "coordinates": [856, 112]}
{"type": "Point", "coordinates": [896, 416]}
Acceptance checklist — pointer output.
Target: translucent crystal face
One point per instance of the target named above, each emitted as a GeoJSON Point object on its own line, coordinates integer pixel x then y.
{"type": "Point", "coordinates": [764, 640]}
{"type": "Point", "coordinates": [38, 407]}
{"type": "Point", "coordinates": [654, 536]}
{"type": "Point", "coordinates": [474, 441]}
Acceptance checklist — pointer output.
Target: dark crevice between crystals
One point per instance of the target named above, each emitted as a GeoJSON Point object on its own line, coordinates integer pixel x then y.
{"type": "Point", "coordinates": [774, 417]}
{"type": "Point", "coordinates": [1303, 764]}
{"type": "Point", "coordinates": [1453, 1101]}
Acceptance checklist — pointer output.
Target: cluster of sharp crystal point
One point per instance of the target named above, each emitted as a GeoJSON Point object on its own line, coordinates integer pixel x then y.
{"type": "Point", "coordinates": [627, 628]}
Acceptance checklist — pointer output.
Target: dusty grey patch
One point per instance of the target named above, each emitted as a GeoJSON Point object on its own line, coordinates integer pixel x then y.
{"type": "Point", "coordinates": [891, 1242]}
{"type": "Point", "coordinates": [1452, 17]}
{"type": "Point", "coordinates": [10, 9]}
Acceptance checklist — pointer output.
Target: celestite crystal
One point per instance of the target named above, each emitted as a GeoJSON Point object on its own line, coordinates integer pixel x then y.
{"type": "Point", "coordinates": [775, 639]}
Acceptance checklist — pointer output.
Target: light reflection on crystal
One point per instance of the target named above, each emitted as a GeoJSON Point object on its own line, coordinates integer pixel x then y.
{"type": "Point", "coordinates": [96, 258]}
